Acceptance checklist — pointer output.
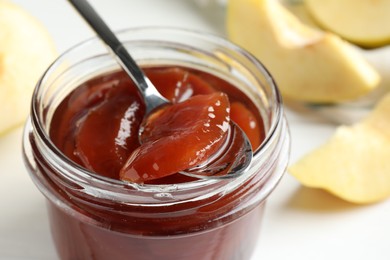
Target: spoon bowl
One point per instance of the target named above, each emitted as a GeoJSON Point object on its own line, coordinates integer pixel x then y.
{"type": "Point", "coordinates": [236, 155]}
{"type": "Point", "coordinates": [230, 162]}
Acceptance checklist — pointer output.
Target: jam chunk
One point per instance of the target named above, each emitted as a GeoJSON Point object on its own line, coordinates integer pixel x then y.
{"type": "Point", "coordinates": [181, 136]}
{"type": "Point", "coordinates": [248, 122]}
{"type": "Point", "coordinates": [109, 132]}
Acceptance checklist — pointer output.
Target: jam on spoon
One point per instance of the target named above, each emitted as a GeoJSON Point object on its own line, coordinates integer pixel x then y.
{"type": "Point", "coordinates": [197, 125]}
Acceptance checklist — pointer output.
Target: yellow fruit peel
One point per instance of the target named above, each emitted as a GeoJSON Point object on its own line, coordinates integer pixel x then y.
{"type": "Point", "coordinates": [308, 64]}
{"type": "Point", "coordinates": [354, 164]}
{"type": "Point", "coordinates": [26, 50]}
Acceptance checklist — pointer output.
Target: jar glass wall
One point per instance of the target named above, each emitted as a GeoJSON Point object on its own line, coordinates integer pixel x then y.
{"type": "Point", "coordinates": [95, 217]}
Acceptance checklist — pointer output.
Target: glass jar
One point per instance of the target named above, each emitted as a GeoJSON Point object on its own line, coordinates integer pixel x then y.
{"type": "Point", "coordinates": [94, 217]}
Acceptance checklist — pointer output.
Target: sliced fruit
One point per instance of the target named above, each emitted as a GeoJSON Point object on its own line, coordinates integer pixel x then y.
{"type": "Point", "coordinates": [182, 136]}
{"type": "Point", "coordinates": [308, 64]}
{"type": "Point", "coordinates": [299, 9]}
{"type": "Point", "coordinates": [354, 164]}
{"type": "Point", "coordinates": [363, 22]}
{"type": "Point", "coordinates": [26, 50]}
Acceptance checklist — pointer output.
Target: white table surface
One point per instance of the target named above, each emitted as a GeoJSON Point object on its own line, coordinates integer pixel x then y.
{"type": "Point", "coordinates": [299, 223]}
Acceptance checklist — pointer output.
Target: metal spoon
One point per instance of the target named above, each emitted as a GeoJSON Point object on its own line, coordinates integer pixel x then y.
{"type": "Point", "coordinates": [231, 161]}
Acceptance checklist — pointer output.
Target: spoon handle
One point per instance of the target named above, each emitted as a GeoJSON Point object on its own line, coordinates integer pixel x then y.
{"type": "Point", "coordinates": [148, 91]}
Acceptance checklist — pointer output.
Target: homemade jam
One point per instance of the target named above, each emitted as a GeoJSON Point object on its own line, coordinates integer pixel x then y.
{"type": "Point", "coordinates": [97, 124]}
{"type": "Point", "coordinates": [112, 197]}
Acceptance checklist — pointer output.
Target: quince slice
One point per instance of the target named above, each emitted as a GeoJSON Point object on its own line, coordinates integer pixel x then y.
{"type": "Point", "coordinates": [354, 164]}
{"type": "Point", "coordinates": [308, 64]}
{"type": "Point", "coordinates": [26, 50]}
{"type": "Point", "coordinates": [363, 22]}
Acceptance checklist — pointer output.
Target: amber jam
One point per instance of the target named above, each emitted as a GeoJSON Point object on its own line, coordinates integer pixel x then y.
{"type": "Point", "coordinates": [97, 124]}
{"type": "Point", "coordinates": [84, 128]}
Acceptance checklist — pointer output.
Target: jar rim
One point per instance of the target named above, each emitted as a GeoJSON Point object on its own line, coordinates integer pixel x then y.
{"type": "Point", "coordinates": [87, 177]}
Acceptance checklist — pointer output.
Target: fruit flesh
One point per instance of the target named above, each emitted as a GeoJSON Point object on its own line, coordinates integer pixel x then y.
{"type": "Point", "coordinates": [26, 50]}
{"type": "Point", "coordinates": [307, 64]}
{"type": "Point", "coordinates": [363, 22]}
{"type": "Point", "coordinates": [354, 163]}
